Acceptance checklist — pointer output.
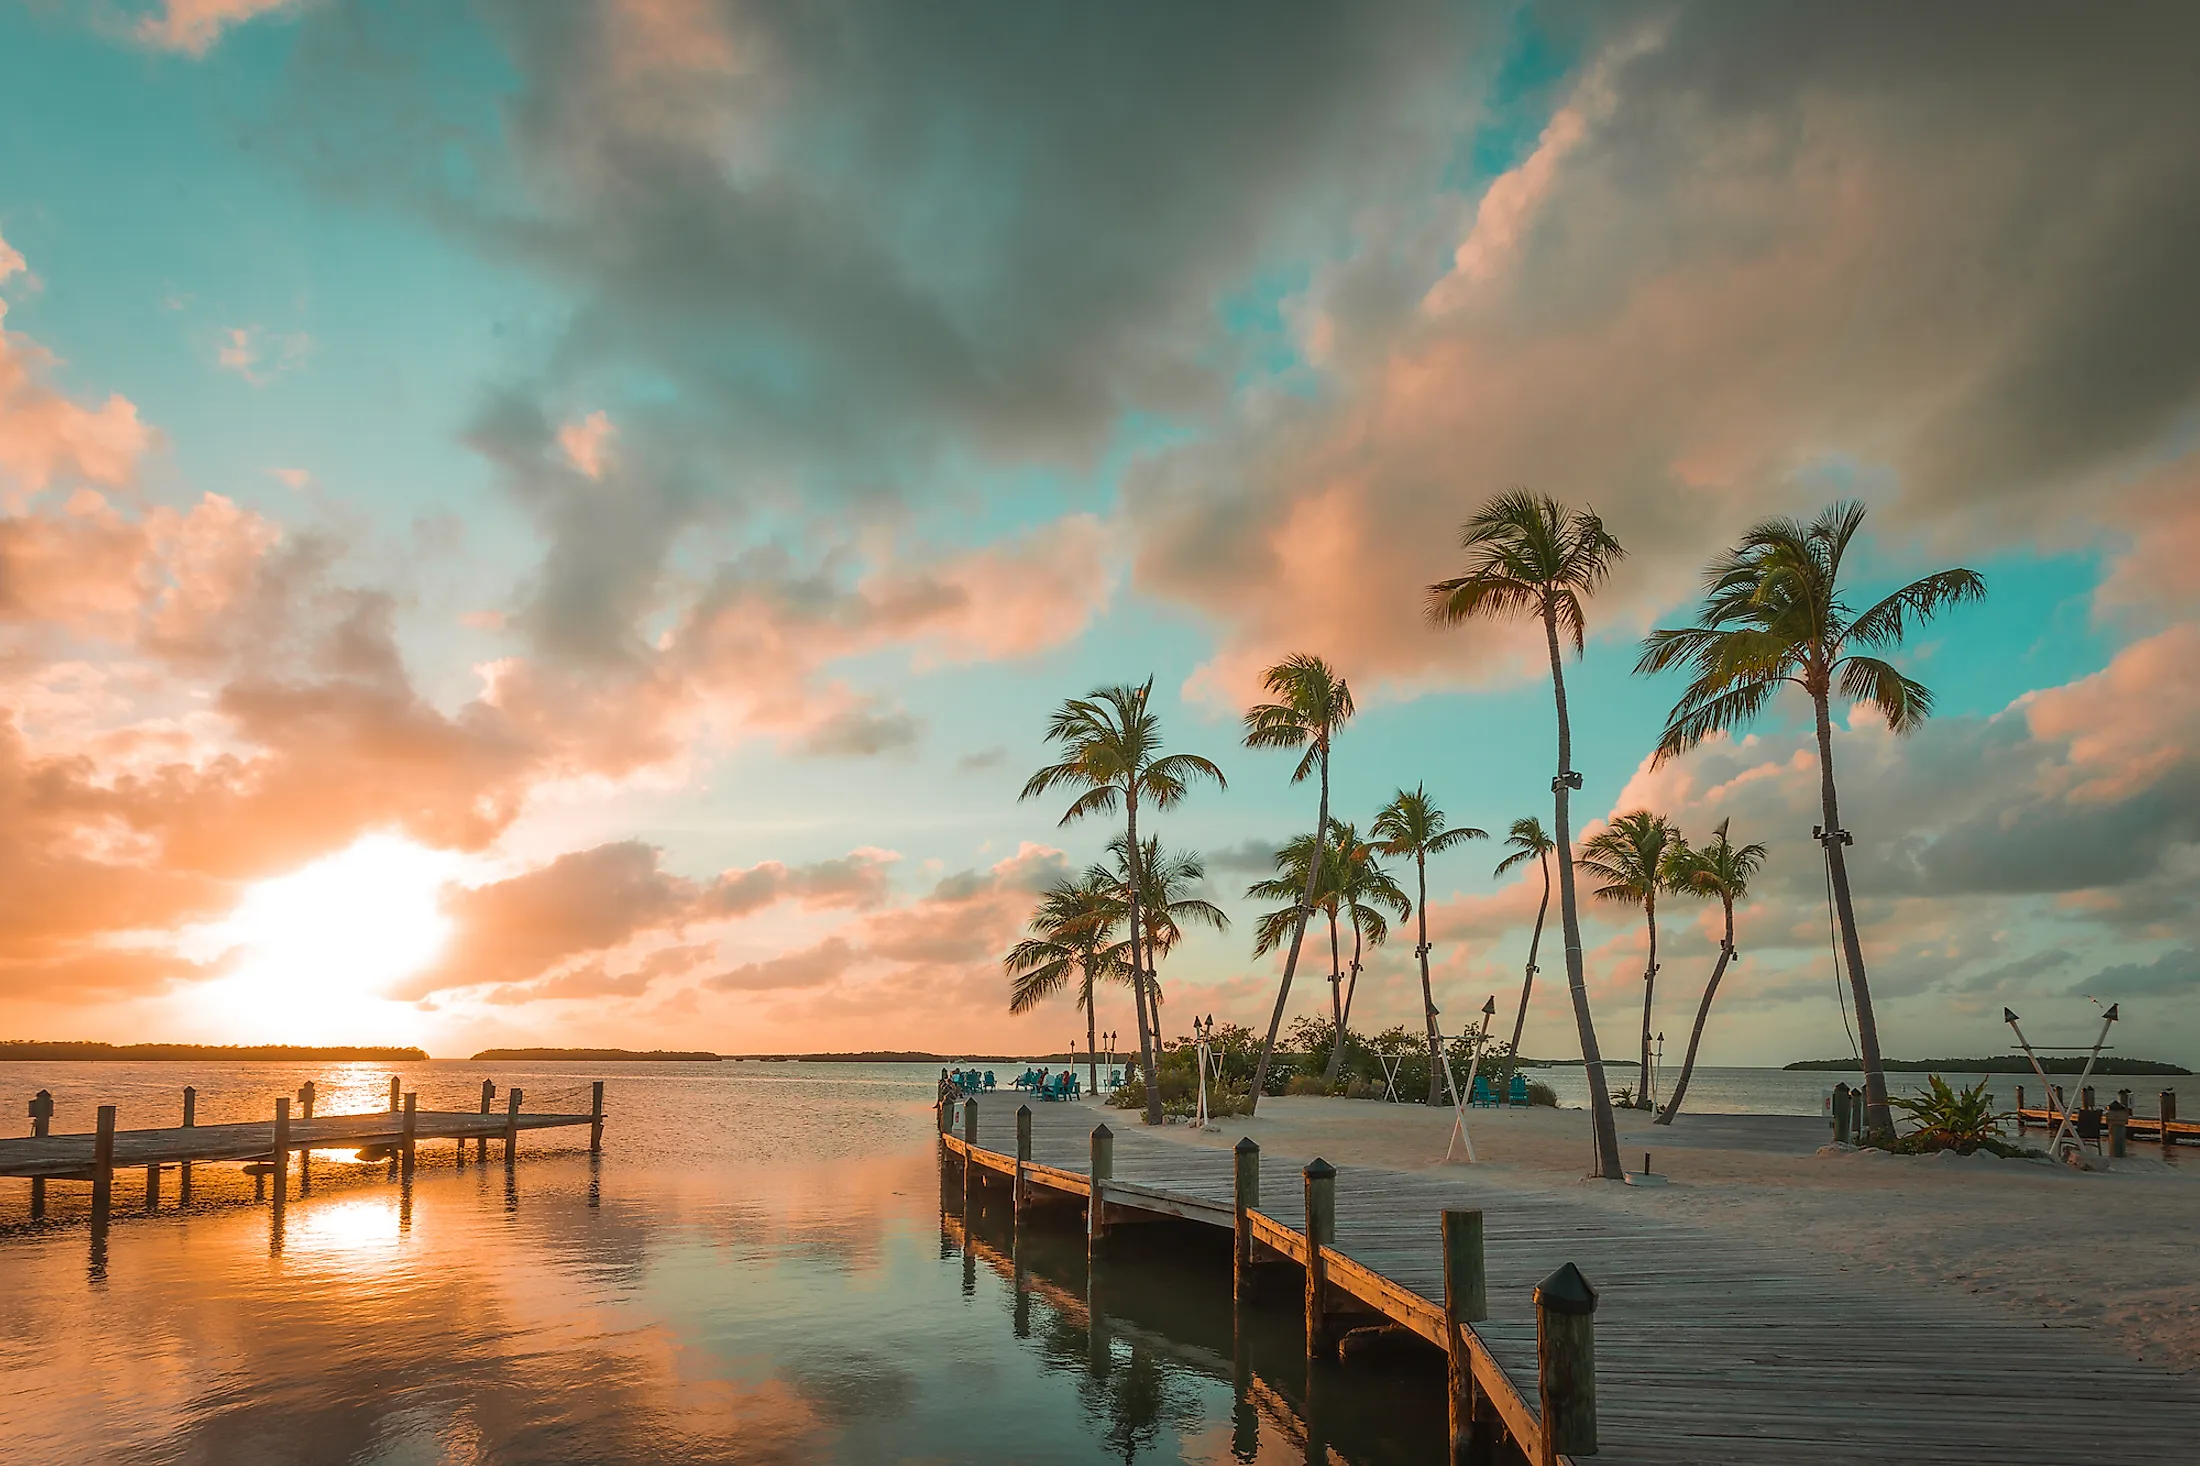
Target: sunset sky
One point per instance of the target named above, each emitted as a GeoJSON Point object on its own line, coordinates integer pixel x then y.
{"type": "Point", "coordinates": [562, 523]}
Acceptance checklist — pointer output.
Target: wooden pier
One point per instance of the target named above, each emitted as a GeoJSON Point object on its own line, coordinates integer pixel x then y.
{"type": "Point", "coordinates": [1707, 1348]}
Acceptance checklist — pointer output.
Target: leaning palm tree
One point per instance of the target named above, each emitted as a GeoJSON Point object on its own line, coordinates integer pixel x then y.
{"type": "Point", "coordinates": [1168, 881]}
{"type": "Point", "coordinates": [1364, 892]}
{"type": "Point", "coordinates": [1529, 556]}
{"type": "Point", "coordinates": [1528, 842]}
{"type": "Point", "coordinates": [1634, 860]}
{"type": "Point", "coordinates": [1412, 824]}
{"type": "Point", "coordinates": [1111, 746]}
{"type": "Point", "coordinates": [1773, 613]}
{"type": "Point", "coordinates": [1302, 867]}
{"type": "Point", "coordinates": [1070, 932]}
{"type": "Point", "coordinates": [1311, 703]}
{"type": "Point", "coordinates": [1724, 870]}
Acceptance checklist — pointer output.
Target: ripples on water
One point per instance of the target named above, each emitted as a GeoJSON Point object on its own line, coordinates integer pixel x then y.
{"type": "Point", "coordinates": [762, 1266]}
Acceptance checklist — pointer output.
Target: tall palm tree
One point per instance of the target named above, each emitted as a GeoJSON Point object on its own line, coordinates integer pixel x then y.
{"type": "Point", "coordinates": [1773, 613]}
{"type": "Point", "coordinates": [1111, 746]}
{"type": "Point", "coordinates": [1364, 892]}
{"type": "Point", "coordinates": [1724, 870]}
{"type": "Point", "coordinates": [1527, 555]}
{"type": "Point", "coordinates": [1527, 841]}
{"type": "Point", "coordinates": [1168, 881]}
{"type": "Point", "coordinates": [1412, 824]}
{"type": "Point", "coordinates": [1308, 877]}
{"type": "Point", "coordinates": [1070, 933]}
{"type": "Point", "coordinates": [1311, 703]}
{"type": "Point", "coordinates": [1634, 859]}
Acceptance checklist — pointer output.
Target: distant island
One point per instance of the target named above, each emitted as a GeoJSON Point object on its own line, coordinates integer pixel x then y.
{"type": "Point", "coordinates": [34, 1051]}
{"type": "Point", "coordinates": [2006, 1064]}
{"type": "Point", "coordinates": [603, 1056]}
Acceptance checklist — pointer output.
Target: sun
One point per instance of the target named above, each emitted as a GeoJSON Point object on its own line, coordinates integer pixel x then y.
{"type": "Point", "coordinates": [310, 956]}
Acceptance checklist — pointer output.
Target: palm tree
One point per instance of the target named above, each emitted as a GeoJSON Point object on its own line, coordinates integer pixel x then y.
{"type": "Point", "coordinates": [1364, 891]}
{"type": "Point", "coordinates": [1070, 932]}
{"type": "Point", "coordinates": [1167, 881]}
{"type": "Point", "coordinates": [1111, 746]}
{"type": "Point", "coordinates": [1529, 556]}
{"type": "Point", "coordinates": [1634, 859]}
{"type": "Point", "coordinates": [1412, 824]}
{"type": "Point", "coordinates": [1527, 841]}
{"type": "Point", "coordinates": [1723, 870]}
{"type": "Point", "coordinates": [1311, 704]}
{"type": "Point", "coordinates": [1773, 613]}
{"type": "Point", "coordinates": [1308, 882]}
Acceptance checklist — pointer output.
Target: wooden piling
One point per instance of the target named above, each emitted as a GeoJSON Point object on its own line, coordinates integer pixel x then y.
{"type": "Point", "coordinates": [393, 1094]}
{"type": "Point", "coordinates": [481, 1146]}
{"type": "Point", "coordinates": [103, 1166]}
{"type": "Point", "coordinates": [2119, 1120]}
{"type": "Point", "coordinates": [152, 1187]}
{"type": "Point", "coordinates": [410, 1132]}
{"type": "Point", "coordinates": [2166, 1107]}
{"type": "Point", "coordinates": [1246, 1201]}
{"type": "Point", "coordinates": [1100, 1171]}
{"type": "Point", "coordinates": [305, 1100]}
{"type": "Point", "coordinates": [281, 1155]}
{"type": "Point", "coordinates": [1842, 1134]}
{"type": "Point", "coordinates": [2085, 1097]}
{"type": "Point", "coordinates": [595, 1120]}
{"type": "Point", "coordinates": [970, 1167]}
{"type": "Point", "coordinates": [1023, 1159]}
{"type": "Point", "coordinates": [511, 1126]}
{"type": "Point", "coordinates": [41, 1124]}
{"type": "Point", "coordinates": [1566, 1363]}
{"type": "Point", "coordinates": [1321, 1231]}
{"type": "Point", "coordinates": [1466, 1301]}
{"type": "Point", "coordinates": [190, 1122]}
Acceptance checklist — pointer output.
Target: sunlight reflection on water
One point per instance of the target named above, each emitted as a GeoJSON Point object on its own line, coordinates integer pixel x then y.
{"type": "Point", "coordinates": [758, 1268]}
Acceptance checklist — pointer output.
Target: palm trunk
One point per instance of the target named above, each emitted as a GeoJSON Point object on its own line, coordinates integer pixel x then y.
{"type": "Point", "coordinates": [1092, 1035]}
{"type": "Point", "coordinates": [1298, 939]}
{"type": "Point", "coordinates": [1703, 1012]}
{"type": "Point", "coordinates": [1649, 985]}
{"type": "Point", "coordinates": [1138, 960]}
{"type": "Point", "coordinates": [1352, 973]}
{"type": "Point", "coordinates": [1336, 1005]}
{"type": "Point", "coordinates": [1601, 1121]}
{"type": "Point", "coordinates": [1527, 982]}
{"type": "Point", "coordinates": [1428, 994]}
{"type": "Point", "coordinates": [1878, 1115]}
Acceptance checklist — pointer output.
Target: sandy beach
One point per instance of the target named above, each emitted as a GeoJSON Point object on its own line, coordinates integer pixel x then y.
{"type": "Point", "coordinates": [2112, 1251]}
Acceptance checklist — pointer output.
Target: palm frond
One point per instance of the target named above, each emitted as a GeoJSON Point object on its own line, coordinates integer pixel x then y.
{"type": "Point", "coordinates": [1886, 623]}
{"type": "Point", "coordinates": [1905, 703]}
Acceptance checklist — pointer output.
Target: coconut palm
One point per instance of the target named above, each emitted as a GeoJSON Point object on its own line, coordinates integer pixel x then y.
{"type": "Point", "coordinates": [1167, 903]}
{"type": "Point", "coordinates": [1071, 931]}
{"type": "Point", "coordinates": [1412, 824]}
{"type": "Point", "coordinates": [1309, 882]}
{"type": "Point", "coordinates": [1529, 556]}
{"type": "Point", "coordinates": [1527, 841]}
{"type": "Point", "coordinates": [1633, 859]}
{"type": "Point", "coordinates": [1364, 892]}
{"type": "Point", "coordinates": [1311, 703]}
{"type": "Point", "coordinates": [1111, 746]}
{"type": "Point", "coordinates": [1724, 870]}
{"type": "Point", "coordinates": [1773, 613]}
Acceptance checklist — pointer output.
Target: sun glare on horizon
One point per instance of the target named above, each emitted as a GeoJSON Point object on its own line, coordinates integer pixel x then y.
{"type": "Point", "coordinates": [311, 954]}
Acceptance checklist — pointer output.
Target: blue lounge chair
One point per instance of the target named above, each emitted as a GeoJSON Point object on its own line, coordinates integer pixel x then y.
{"type": "Point", "coordinates": [1479, 1096]}
{"type": "Point", "coordinates": [1518, 1094]}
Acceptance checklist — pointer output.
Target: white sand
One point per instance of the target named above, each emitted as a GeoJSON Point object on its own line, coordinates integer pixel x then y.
{"type": "Point", "coordinates": [2118, 1251]}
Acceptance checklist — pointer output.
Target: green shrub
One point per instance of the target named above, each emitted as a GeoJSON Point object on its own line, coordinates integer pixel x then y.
{"type": "Point", "coordinates": [1540, 1093]}
{"type": "Point", "coordinates": [1950, 1119]}
{"type": "Point", "coordinates": [1308, 1084]}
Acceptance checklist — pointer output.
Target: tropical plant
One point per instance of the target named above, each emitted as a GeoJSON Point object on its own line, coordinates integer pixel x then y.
{"type": "Point", "coordinates": [1305, 879]}
{"type": "Point", "coordinates": [1365, 891]}
{"type": "Point", "coordinates": [1166, 903]}
{"type": "Point", "coordinates": [1111, 745]}
{"type": "Point", "coordinates": [1774, 614]}
{"type": "Point", "coordinates": [1070, 933]}
{"type": "Point", "coordinates": [1633, 858]}
{"type": "Point", "coordinates": [1527, 841]}
{"type": "Point", "coordinates": [1529, 556]}
{"type": "Point", "coordinates": [1950, 1119]}
{"type": "Point", "coordinates": [1720, 870]}
{"type": "Point", "coordinates": [1311, 704]}
{"type": "Point", "coordinates": [1412, 824]}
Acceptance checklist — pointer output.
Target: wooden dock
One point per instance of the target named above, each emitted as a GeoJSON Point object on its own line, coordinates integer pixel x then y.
{"type": "Point", "coordinates": [1707, 1348]}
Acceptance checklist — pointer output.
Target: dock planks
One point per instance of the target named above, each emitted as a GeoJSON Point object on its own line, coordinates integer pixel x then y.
{"type": "Point", "coordinates": [70, 1157]}
{"type": "Point", "coordinates": [1710, 1348]}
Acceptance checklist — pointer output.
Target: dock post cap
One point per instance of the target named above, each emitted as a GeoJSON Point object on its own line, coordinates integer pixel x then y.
{"type": "Point", "coordinates": [1023, 1109]}
{"type": "Point", "coordinates": [1247, 1145]}
{"type": "Point", "coordinates": [1102, 1132]}
{"type": "Point", "coordinates": [1318, 1169]}
{"type": "Point", "coordinates": [1566, 1291]}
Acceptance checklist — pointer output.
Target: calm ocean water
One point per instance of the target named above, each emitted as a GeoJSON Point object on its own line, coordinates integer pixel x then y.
{"type": "Point", "coordinates": [759, 1268]}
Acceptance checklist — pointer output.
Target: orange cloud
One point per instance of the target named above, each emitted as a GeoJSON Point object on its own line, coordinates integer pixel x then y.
{"type": "Point", "coordinates": [45, 438]}
{"type": "Point", "coordinates": [193, 26]}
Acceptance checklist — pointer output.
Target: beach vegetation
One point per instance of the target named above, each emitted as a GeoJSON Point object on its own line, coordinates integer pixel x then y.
{"type": "Point", "coordinates": [1071, 946]}
{"type": "Point", "coordinates": [1527, 840]}
{"type": "Point", "coordinates": [1110, 745]}
{"type": "Point", "coordinates": [1946, 1118]}
{"type": "Point", "coordinates": [1528, 555]}
{"type": "Point", "coordinates": [1774, 614]}
{"type": "Point", "coordinates": [1414, 824]}
{"type": "Point", "coordinates": [1369, 896]}
{"type": "Point", "coordinates": [1632, 860]}
{"type": "Point", "coordinates": [1310, 703]}
{"type": "Point", "coordinates": [1541, 1095]}
{"type": "Point", "coordinates": [1719, 870]}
